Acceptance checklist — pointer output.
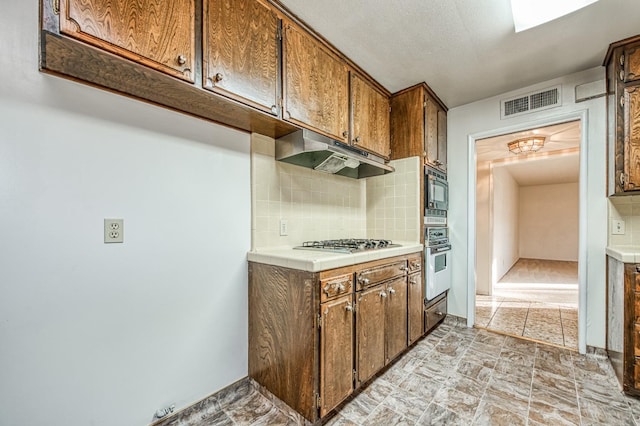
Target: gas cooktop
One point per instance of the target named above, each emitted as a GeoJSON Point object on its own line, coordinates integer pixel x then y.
{"type": "Point", "coordinates": [347, 245]}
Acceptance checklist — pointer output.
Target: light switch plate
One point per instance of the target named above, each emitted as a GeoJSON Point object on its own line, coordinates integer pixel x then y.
{"type": "Point", "coordinates": [617, 227]}
{"type": "Point", "coordinates": [114, 230]}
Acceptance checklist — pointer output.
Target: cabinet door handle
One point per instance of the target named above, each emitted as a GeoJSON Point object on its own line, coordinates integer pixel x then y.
{"type": "Point", "coordinates": [383, 294]}
{"type": "Point", "coordinates": [181, 60]}
{"type": "Point", "coordinates": [348, 308]}
{"type": "Point", "coordinates": [345, 134]}
{"type": "Point", "coordinates": [218, 77]}
{"type": "Point", "coordinates": [439, 313]}
{"type": "Point", "coordinates": [413, 281]}
{"type": "Point", "coordinates": [404, 269]}
{"type": "Point", "coordinates": [357, 139]}
{"type": "Point", "coordinates": [391, 290]}
{"type": "Point", "coordinates": [274, 109]}
{"type": "Point", "coordinates": [621, 178]}
{"type": "Point", "coordinates": [621, 59]}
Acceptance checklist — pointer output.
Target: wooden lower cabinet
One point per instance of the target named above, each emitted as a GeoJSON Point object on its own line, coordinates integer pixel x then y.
{"type": "Point", "coordinates": [435, 312]}
{"type": "Point", "coordinates": [395, 322]}
{"type": "Point", "coordinates": [315, 337]}
{"type": "Point", "coordinates": [336, 352]}
{"type": "Point", "coordinates": [415, 307]}
{"type": "Point", "coordinates": [370, 335]}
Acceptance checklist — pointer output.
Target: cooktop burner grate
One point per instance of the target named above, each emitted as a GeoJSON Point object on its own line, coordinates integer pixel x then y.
{"type": "Point", "coordinates": [347, 245]}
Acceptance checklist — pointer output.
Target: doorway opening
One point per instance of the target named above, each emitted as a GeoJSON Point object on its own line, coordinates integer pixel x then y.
{"type": "Point", "coordinates": [527, 235]}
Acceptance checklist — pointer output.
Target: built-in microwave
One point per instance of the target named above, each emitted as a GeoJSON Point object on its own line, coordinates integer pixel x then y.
{"type": "Point", "coordinates": [436, 190]}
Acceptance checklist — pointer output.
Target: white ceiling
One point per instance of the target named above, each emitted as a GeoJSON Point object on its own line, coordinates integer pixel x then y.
{"type": "Point", "coordinates": [557, 162]}
{"type": "Point", "coordinates": [466, 50]}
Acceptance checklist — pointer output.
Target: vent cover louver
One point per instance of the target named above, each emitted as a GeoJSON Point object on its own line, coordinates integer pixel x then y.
{"type": "Point", "coordinates": [531, 102]}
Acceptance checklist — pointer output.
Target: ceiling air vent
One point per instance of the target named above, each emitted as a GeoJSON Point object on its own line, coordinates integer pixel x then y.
{"type": "Point", "coordinates": [530, 102]}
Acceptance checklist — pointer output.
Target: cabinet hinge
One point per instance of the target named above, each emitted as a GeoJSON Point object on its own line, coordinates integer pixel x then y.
{"type": "Point", "coordinates": [354, 375]}
{"type": "Point", "coordinates": [424, 104]}
{"type": "Point", "coordinates": [318, 401]}
{"type": "Point", "coordinates": [55, 5]}
{"type": "Point", "coordinates": [319, 321]}
{"type": "Point", "coordinates": [279, 33]}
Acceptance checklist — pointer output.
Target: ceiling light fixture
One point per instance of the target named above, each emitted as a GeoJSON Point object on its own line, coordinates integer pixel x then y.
{"type": "Point", "coordinates": [531, 13]}
{"type": "Point", "coordinates": [526, 145]}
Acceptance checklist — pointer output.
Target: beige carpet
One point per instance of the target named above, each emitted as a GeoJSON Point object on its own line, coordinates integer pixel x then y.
{"type": "Point", "coordinates": [537, 299]}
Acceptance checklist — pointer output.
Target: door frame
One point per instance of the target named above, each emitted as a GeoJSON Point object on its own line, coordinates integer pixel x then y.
{"type": "Point", "coordinates": [580, 115]}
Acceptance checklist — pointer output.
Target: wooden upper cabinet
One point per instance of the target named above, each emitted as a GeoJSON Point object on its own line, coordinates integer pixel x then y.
{"type": "Point", "coordinates": [419, 126]}
{"type": "Point", "coordinates": [632, 137]}
{"type": "Point", "coordinates": [407, 124]}
{"type": "Point", "coordinates": [155, 33]}
{"type": "Point", "coordinates": [436, 134]}
{"type": "Point", "coordinates": [370, 118]}
{"type": "Point", "coordinates": [336, 352]}
{"type": "Point", "coordinates": [316, 85]}
{"type": "Point", "coordinates": [240, 51]}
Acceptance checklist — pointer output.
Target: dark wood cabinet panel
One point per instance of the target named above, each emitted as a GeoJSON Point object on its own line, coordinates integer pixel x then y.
{"type": "Point", "coordinates": [370, 335]}
{"type": "Point", "coordinates": [370, 118]}
{"type": "Point", "coordinates": [415, 307]}
{"type": "Point", "coordinates": [632, 62]}
{"type": "Point", "coordinates": [240, 51]}
{"type": "Point", "coordinates": [316, 85]}
{"type": "Point", "coordinates": [336, 352]}
{"type": "Point", "coordinates": [156, 33]}
{"type": "Point", "coordinates": [395, 327]}
{"type": "Point", "coordinates": [632, 136]}
{"type": "Point", "coordinates": [407, 124]}
{"type": "Point", "coordinates": [283, 349]}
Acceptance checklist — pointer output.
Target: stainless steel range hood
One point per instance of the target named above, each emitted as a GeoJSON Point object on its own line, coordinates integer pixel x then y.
{"type": "Point", "coordinates": [309, 149]}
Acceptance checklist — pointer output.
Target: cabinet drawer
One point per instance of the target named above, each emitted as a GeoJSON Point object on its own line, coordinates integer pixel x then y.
{"type": "Point", "coordinates": [415, 264]}
{"type": "Point", "coordinates": [336, 286]}
{"type": "Point", "coordinates": [435, 314]}
{"type": "Point", "coordinates": [373, 276]}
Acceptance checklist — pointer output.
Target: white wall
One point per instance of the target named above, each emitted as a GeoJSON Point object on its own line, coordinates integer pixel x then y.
{"type": "Point", "coordinates": [549, 222]}
{"type": "Point", "coordinates": [97, 334]}
{"type": "Point", "coordinates": [506, 223]}
{"type": "Point", "coordinates": [484, 238]}
{"type": "Point", "coordinates": [482, 119]}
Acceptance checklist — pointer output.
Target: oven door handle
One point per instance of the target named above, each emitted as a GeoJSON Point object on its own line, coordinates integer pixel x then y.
{"type": "Point", "coordinates": [440, 249]}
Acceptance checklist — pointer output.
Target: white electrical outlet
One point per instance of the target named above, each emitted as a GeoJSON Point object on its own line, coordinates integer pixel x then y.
{"type": "Point", "coordinates": [617, 227]}
{"type": "Point", "coordinates": [284, 227]}
{"type": "Point", "coordinates": [114, 230]}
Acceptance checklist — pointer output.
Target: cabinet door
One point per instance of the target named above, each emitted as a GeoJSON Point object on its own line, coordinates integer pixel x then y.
{"type": "Point", "coordinates": [431, 130]}
{"type": "Point", "coordinates": [632, 137]}
{"type": "Point", "coordinates": [155, 33]}
{"type": "Point", "coordinates": [370, 319]}
{"type": "Point", "coordinates": [442, 139]}
{"type": "Point", "coordinates": [407, 124]}
{"type": "Point", "coordinates": [370, 118]}
{"type": "Point", "coordinates": [415, 307]}
{"type": "Point", "coordinates": [395, 327]}
{"type": "Point", "coordinates": [240, 51]}
{"type": "Point", "coordinates": [316, 85]}
{"type": "Point", "coordinates": [336, 353]}
{"type": "Point", "coordinates": [436, 135]}
{"type": "Point", "coordinates": [632, 62]}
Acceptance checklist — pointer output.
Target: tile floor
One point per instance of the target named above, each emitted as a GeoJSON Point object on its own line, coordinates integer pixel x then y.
{"type": "Point", "coordinates": [536, 299]}
{"type": "Point", "coordinates": [456, 376]}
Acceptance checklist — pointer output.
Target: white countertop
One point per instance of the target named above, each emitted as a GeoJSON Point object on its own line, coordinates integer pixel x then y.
{"type": "Point", "coordinates": [316, 261]}
{"type": "Point", "coordinates": [626, 254]}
